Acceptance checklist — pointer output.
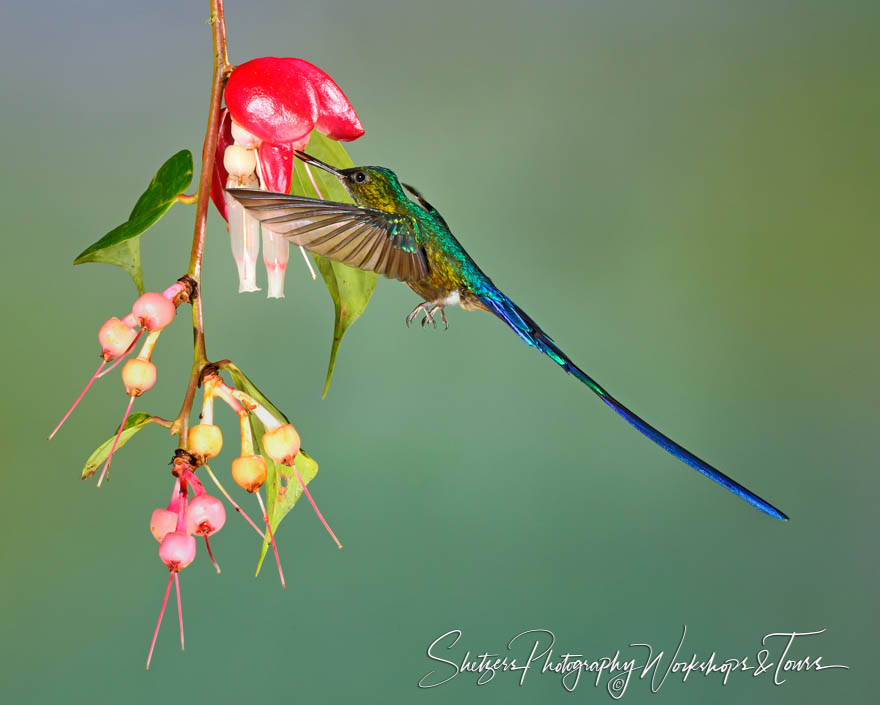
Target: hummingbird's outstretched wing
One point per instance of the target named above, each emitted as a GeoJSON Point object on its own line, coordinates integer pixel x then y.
{"type": "Point", "coordinates": [366, 238]}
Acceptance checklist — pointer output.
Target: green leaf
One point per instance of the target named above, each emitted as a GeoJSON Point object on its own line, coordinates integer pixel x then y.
{"type": "Point", "coordinates": [349, 288]}
{"type": "Point", "coordinates": [121, 246]}
{"type": "Point", "coordinates": [282, 486]}
{"type": "Point", "coordinates": [283, 490]}
{"type": "Point", "coordinates": [133, 424]}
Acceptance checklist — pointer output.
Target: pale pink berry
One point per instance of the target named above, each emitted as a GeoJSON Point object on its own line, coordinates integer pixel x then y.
{"type": "Point", "coordinates": [205, 441]}
{"type": "Point", "coordinates": [205, 515]}
{"type": "Point", "coordinates": [138, 376]}
{"type": "Point", "coordinates": [115, 338]}
{"type": "Point", "coordinates": [282, 444]}
{"type": "Point", "coordinates": [153, 310]}
{"type": "Point", "coordinates": [249, 472]}
{"type": "Point", "coordinates": [162, 522]}
{"type": "Point", "coordinates": [177, 550]}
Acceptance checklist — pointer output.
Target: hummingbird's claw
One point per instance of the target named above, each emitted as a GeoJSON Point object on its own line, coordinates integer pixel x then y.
{"type": "Point", "coordinates": [421, 308]}
{"type": "Point", "coordinates": [438, 308]}
{"type": "Point", "coordinates": [428, 308]}
{"type": "Point", "coordinates": [442, 316]}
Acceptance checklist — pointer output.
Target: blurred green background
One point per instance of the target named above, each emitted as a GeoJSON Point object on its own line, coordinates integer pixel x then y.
{"type": "Point", "coordinates": [684, 194]}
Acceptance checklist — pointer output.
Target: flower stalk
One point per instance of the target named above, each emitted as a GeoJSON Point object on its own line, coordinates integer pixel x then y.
{"type": "Point", "coordinates": [222, 68]}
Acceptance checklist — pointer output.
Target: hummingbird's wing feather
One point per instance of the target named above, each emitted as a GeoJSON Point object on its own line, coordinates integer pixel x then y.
{"type": "Point", "coordinates": [423, 202]}
{"type": "Point", "coordinates": [366, 238]}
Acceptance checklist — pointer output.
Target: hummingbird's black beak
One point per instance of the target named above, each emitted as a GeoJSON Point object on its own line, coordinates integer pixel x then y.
{"type": "Point", "coordinates": [316, 162]}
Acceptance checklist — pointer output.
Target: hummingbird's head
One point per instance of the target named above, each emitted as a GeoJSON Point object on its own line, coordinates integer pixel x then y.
{"type": "Point", "coordinates": [373, 186]}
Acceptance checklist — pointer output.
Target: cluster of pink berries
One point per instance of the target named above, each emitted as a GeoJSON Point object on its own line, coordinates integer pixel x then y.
{"type": "Point", "coordinates": [174, 528]}
{"type": "Point", "coordinates": [204, 515]}
{"type": "Point", "coordinates": [150, 313]}
{"type": "Point", "coordinates": [192, 511]}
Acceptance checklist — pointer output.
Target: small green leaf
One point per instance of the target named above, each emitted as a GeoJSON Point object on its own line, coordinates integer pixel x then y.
{"type": "Point", "coordinates": [133, 424]}
{"type": "Point", "coordinates": [349, 288]}
{"type": "Point", "coordinates": [121, 246]}
{"type": "Point", "coordinates": [282, 486]}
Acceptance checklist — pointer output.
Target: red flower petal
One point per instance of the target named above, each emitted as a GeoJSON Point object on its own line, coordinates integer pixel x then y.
{"type": "Point", "coordinates": [272, 98]}
{"type": "Point", "coordinates": [336, 117]}
{"type": "Point", "coordinates": [276, 166]}
{"type": "Point", "coordinates": [219, 175]}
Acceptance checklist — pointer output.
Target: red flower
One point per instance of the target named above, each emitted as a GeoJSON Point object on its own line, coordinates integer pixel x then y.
{"type": "Point", "coordinates": [273, 104]}
{"type": "Point", "coordinates": [282, 100]}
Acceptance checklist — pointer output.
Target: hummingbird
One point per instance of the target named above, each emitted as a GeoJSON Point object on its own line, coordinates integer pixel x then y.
{"type": "Point", "coordinates": [393, 230]}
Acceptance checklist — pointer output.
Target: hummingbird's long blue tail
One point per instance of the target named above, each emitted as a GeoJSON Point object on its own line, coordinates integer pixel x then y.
{"type": "Point", "coordinates": [531, 333]}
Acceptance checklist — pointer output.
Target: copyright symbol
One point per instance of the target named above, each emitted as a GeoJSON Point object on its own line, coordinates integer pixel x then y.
{"type": "Point", "coordinates": [617, 684]}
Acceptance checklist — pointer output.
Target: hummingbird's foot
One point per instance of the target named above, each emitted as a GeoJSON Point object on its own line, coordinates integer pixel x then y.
{"type": "Point", "coordinates": [436, 309]}
{"type": "Point", "coordinates": [429, 309]}
{"type": "Point", "coordinates": [423, 307]}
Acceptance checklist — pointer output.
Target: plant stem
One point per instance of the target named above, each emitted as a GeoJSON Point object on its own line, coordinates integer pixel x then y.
{"type": "Point", "coordinates": [221, 72]}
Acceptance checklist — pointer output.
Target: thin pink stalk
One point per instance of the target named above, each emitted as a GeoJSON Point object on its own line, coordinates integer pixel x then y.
{"type": "Point", "coordinates": [77, 400]}
{"type": "Point", "coordinates": [172, 291]}
{"type": "Point", "coordinates": [229, 499]}
{"type": "Point", "coordinates": [123, 356]}
{"type": "Point", "coordinates": [314, 183]}
{"type": "Point", "coordinates": [159, 622]}
{"type": "Point", "coordinates": [210, 554]}
{"type": "Point", "coordinates": [194, 482]}
{"type": "Point", "coordinates": [174, 502]}
{"type": "Point", "coordinates": [116, 440]}
{"type": "Point", "coordinates": [315, 506]}
{"type": "Point", "coordinates": [271, 537]}
{"type": "Point", "coordinates": [308, 262]}
{"type": "Point", "coordinates": [179, 607]}
{"type": "Point", "coordinates": [301, 248]}
{"type": "Point", "coordinates": [225, 392]}
{"type": "Point", "coordinates": [181, 506]}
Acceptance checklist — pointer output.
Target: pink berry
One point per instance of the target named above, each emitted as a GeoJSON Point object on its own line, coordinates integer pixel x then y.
{"type": "Point", "coordinates": [177, 550]}
{"type": "Point", "coordinates": [153, 310]}
{"type": "Point", "coordinates": [162, 522]}
{"type": "Point", "coordinates": [115, 338]}
{"type": "Point", "coordinates": [205, 515]}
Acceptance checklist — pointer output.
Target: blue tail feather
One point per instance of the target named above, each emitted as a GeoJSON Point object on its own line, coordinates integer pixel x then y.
{"type": "Point", "coordinates": [531, 333]}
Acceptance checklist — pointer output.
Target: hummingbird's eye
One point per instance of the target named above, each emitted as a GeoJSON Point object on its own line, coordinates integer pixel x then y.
{"type": "Point", "coordinates": [360, 177]}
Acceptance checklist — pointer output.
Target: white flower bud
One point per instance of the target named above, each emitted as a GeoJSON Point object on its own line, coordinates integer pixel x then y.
{"type": "Point", "coordinates": [239, 161]}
